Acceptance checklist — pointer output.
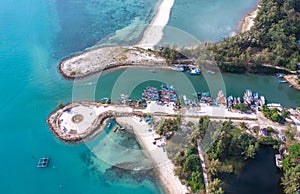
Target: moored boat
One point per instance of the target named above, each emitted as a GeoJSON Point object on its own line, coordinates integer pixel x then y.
{"type": "Point", "coordinates": [279, 75]}
{"type": "Point", "coordinates": [195, 72]}
{"type": "Point", "coordinates": [282, 81]}
{"type": "Point", "coordinates": [116, 128]}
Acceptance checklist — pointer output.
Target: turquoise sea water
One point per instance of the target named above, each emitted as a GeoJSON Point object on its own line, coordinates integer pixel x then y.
{"type": "Point", "coordinates": [35, 35]}
{"type": "Point", "coordinates": [205, 20]}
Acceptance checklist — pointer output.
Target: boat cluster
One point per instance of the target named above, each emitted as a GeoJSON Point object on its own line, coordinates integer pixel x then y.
{"type": "Point", "coordinates": [165, 95]}
{"type": "Point", "coordinates": [281, 76]}
{"type": "Point", "coordinates": [253, 98]}
{"type": "Point", "coordinates": [194, 70]}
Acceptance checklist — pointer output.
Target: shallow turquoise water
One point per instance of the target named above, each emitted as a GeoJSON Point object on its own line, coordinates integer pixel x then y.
{"type": "Point", "coordinates": [206, 20]}
{"type": "Point", "coordinates": [35, 35]}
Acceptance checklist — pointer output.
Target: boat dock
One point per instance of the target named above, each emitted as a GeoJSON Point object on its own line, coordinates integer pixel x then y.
{"type": "Point", "coordinates": [278, 160]}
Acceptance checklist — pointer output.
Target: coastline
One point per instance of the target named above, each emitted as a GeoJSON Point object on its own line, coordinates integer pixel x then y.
{"type": "Point", "coordinates": [291, 79]}
{"type": "Point", "coordinates": [163, 164]}
{"type": "Point", "coordinates": [248, 21]}
{"type": "Point", "coordinates": [154, 31]}
{"type": "Point", "coordinates": [100, 59]}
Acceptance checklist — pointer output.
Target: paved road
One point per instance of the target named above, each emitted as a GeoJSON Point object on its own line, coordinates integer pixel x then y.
{"type": "Point", "coordinates": [203, 165]}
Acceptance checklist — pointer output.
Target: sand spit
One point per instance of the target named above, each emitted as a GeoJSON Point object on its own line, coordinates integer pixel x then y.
{"type": "Point", "coordinates": [154, 32]}
{"type": "Point", "coordinates": [100, 59]}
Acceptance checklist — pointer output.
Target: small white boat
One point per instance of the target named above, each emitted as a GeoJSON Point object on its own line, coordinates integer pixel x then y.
{"type": "Point", "coordinates": [195, 72]}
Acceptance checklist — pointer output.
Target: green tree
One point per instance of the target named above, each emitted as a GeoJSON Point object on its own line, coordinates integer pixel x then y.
{"type": "Point", "coordinates": [196, 181]}
{"type": "Point", "coordinates": [214, 167]}
{"type": "Point", "coordinates": [215, 186]}
{"type": "Point", "coordinates": [291, 181]}
{"type": "Point", "coordinates": [285, 113]}
{"type": "Point", "coordinates": [275, 116]}
{"type": "Point", "coordinates": [244, 107]}
{"type": "Point", "coordinates": [250, 152]}
{"type": "Point", "coordinates": [294, 150]}
{"type": "Point", "coordinates": [191, 163]}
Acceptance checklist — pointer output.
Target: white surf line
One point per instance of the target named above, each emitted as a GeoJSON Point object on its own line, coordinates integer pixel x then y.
{"type": "Point", "coordinates": [154, 32]}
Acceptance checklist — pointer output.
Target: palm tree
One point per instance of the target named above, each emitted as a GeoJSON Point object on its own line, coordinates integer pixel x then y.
{"type": "Point", "coordinates": [214, 167]}
{"type": "Point", "coordinates": [291, 181]}
{"type": "Point", "coordinates": [215, 187]}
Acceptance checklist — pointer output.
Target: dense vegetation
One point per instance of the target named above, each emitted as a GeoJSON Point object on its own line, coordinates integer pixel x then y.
{"type": "Point", "coordinates": [188, 168]}
{"type": "Point", "coordinates": [291, 167]}
{"type": "Point", "coordinates": [242, 107]}
{"type": "Point", "coordinates": [168, 127]}
{"type": "Point", "coordinates": [274, 115]}
{"type": "Point", "coordinates": [271, 41]}
{"type": "Point", "coordinates": [232, 143]}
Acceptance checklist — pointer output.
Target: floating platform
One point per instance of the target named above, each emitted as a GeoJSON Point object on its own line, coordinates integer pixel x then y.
{"type": "Point", "coordinates": [278, 160]}
{"type": "Point", "coordinates": [43, 162]}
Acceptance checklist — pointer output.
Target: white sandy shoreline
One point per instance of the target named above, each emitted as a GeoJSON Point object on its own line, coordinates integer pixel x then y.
{"type": "Point", "coordinates": [154, 32]}
{"type": "Point", "coordinates": [160, 158]}
{"type": "Point", "coordinates": [248, 21]}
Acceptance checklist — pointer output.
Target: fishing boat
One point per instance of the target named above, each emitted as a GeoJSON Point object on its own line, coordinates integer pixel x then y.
{"type": "Point", "coordinates": [282, 81]}
{"type": "Point", "coordinates": [262, 100]}
{"type": "Point", "coordinates": [248, 96]}
{"type": "Point", "coordinates": [122, 128]}
{"type": "Point", "coordinates": [291, 85]}
{"type": "Point", "coordinates": [195, 72]}
{"type": "Point", "coordinates": [116, 128]}
{"type": "Point", "coordinates": [279, 75]}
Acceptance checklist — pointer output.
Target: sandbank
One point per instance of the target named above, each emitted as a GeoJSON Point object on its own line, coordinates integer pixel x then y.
{"type": "Point", "coordinates": [154, 32]}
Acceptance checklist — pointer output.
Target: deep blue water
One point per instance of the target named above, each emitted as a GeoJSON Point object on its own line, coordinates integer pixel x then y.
{"type": "Point", "coordinates": [259, 175]}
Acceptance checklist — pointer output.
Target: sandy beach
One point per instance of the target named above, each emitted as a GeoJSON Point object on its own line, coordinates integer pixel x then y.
{"type": "Point", "coordinates": [292, 79]}
{"type": "Point", "coordinates": [248, 21]}
{"type": "Point", "coordinates": [160, 158]}
{"type": "Point", "coordinates": [154, 32]}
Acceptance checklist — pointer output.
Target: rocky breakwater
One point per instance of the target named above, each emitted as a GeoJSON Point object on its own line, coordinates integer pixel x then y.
{"type": "Point", "coordinates": [79, 122]}
{"type": "Point", "coordinates": [100, 59]}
